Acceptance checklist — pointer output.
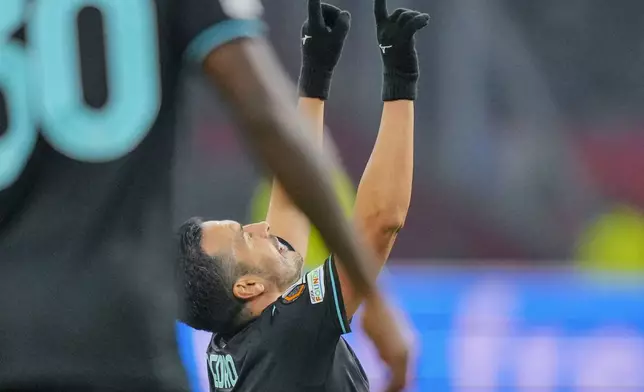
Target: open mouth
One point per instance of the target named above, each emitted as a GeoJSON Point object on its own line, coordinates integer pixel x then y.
{"type": "Point", "coordinates": [282, 246]}
{"type": "Point", "coordinates": [279, 245]}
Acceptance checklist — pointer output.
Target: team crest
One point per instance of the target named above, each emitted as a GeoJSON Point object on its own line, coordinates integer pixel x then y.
{"type": "Point", "coordinates": [293, 294]}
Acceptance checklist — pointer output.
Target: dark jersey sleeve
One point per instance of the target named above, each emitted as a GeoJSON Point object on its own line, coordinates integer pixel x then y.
{"type": "Point", "coordinates": [316, 302]}
{"type": "Point", "coordinates": [309, 320]}
{"type": "Point", "coordinates": [203, 25]}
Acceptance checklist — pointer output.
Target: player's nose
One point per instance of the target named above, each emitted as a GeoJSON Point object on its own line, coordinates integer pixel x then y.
{"type": "Point", "coordinates": [261, 229]}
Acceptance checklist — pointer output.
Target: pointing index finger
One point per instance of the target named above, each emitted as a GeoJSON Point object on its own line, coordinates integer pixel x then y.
{"type": "Point", "coordinates": [315, 12]}
{"type": "Point", "coordinates": [380, 9]}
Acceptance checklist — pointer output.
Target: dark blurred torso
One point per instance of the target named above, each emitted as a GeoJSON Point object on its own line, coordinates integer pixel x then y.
{"type": "Point", "coordinates": [86, 276]}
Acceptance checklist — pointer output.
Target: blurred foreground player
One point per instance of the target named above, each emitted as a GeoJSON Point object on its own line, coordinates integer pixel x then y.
{"type": "Point", "coordinates": [87, 297]}
{"type": "Point", "coordinates": [276, 330]}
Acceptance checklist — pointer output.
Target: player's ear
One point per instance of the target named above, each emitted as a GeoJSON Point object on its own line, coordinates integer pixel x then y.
{"type": "Point", "coordinates": [248, 287]}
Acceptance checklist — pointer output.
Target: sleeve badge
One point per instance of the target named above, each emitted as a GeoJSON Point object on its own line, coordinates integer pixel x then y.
{"type": "Point", "coordinates": [293, 294]}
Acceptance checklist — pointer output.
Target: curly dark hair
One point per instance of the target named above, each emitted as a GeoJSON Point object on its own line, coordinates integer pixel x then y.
{"type": "Point", "coordinates": [207, 282]}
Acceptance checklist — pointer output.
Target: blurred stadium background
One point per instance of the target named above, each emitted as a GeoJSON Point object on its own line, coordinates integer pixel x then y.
{"type": "Point", "coordinates": [522, 260]}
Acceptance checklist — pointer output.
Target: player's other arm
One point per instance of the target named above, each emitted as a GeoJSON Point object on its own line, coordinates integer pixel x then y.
{"type": "Point", "coordinates": [384, 193]}
{"type": "Point", "coordinates": [322, 42]}
{"type": "Point", "coordinates": [284, 217]}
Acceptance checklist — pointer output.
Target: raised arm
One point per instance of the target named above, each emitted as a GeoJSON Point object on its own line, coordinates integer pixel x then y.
{"type": "Point", "coordinates": [323, 36]}
{"type": "Point", "coordinates": [384, 192]}
{"type": "Point", "coordinates": [284, 217]}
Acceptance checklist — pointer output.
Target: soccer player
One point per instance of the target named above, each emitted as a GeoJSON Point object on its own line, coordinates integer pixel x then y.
{"type": "Point", "coordinates": [86, 141]}
{"type": "Point", "coordinates": [276, 330]}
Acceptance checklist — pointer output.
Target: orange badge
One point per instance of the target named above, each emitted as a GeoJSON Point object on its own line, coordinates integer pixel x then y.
{"type": "Point", "coordinates": [294, 294]}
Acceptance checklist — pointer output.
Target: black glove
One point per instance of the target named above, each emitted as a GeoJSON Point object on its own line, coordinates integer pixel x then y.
{"type": "Point", "coordinates": [323, 35]}
{"type": "Point", "coordinates": [398, 49]}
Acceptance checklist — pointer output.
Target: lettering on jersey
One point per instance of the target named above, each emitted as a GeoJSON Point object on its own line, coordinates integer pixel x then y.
{"type": "Point", "coordinates": [315, 281]}
{"type": "Point", "coordinates": [223, 371]}
{"type": "Point", "coordinates": [293, 294]}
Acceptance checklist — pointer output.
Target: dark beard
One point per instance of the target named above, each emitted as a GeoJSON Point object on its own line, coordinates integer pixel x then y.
{"type": "Point", "coordinates": [295, 263]}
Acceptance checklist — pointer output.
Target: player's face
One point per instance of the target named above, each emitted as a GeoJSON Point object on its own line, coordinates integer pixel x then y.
{"type": "Point", "coordinates": [256, 247]}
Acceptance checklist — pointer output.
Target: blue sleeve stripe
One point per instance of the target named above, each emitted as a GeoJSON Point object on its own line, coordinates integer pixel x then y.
{"type": "Point", "coordinates": [220, 34]}
{"type": "Point", "coordinates": [335, 296]}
